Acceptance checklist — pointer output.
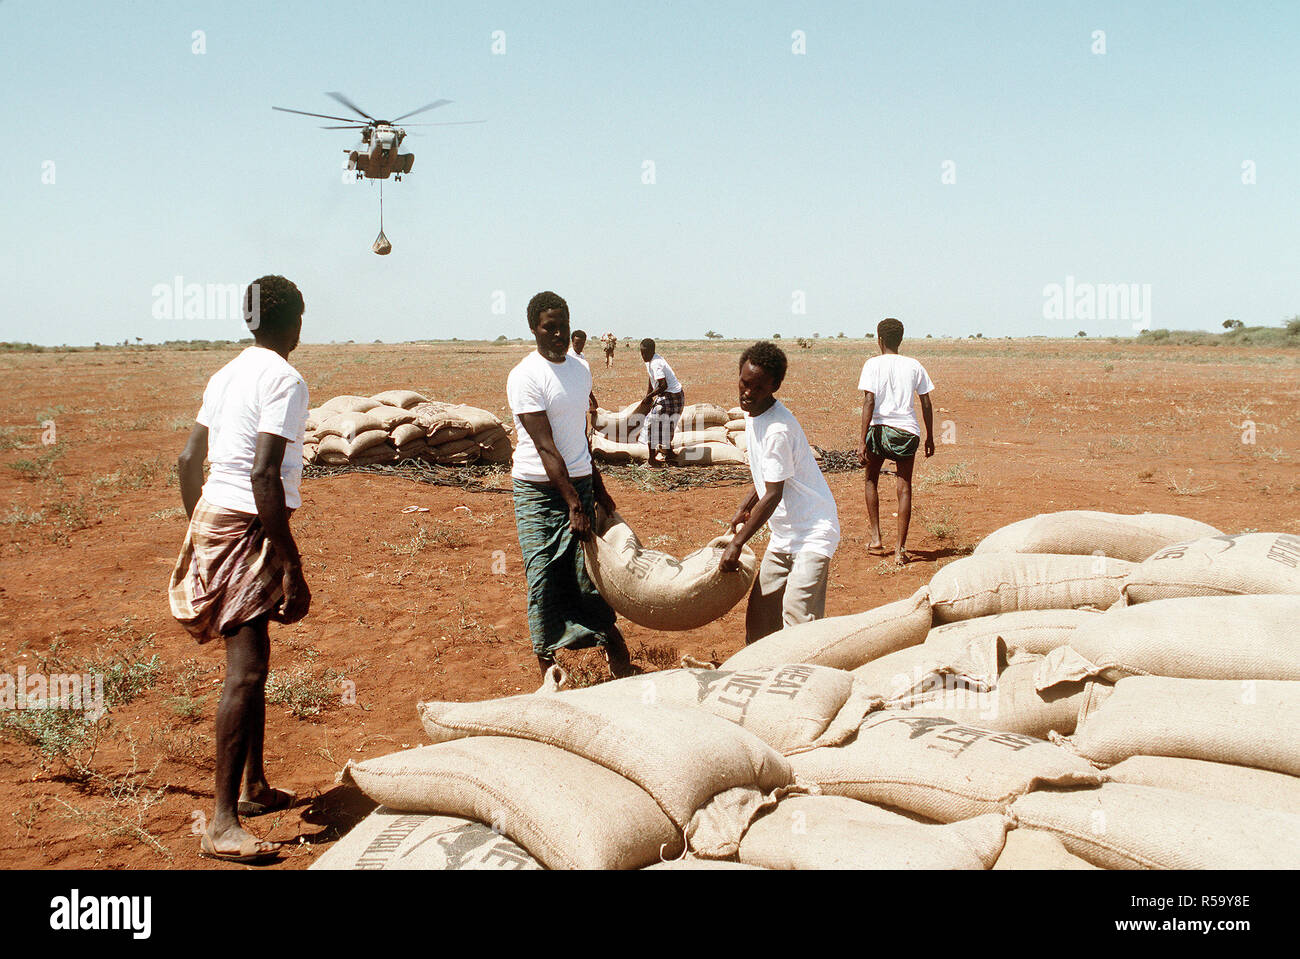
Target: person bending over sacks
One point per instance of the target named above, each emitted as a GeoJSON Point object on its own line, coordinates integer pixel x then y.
{"type": "Point", "coordinates": [890, 430]}
{"type": "Point", "coordinates": [790, 495]}
{"type": "Point", "coordinates": [664, 401]}
{"type": "Point", "coordinates": [557, 487]}
{"type": "Point", "coordinates": [239, 567]}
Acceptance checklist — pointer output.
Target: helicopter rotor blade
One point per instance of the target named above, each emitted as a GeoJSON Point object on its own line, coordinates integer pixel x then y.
{"type": "Point", "coordinates": [350, 126]}
{"type": "Point", "coordinates": [350, 105]}
{"type": "Point", "coordinates": [323, 116]}
{"type": "Point", "coordinates": [428, 106]}
{"type": "Point", "coordinates": [449, 123]}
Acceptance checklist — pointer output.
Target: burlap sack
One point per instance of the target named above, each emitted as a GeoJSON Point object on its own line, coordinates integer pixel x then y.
{"type": "Point", "coordinates": [440, 423]}
{"type": "Point", "coordinates": [391, 417]}
{"type": "Point", "coordinates": [1141, 827]}
{"type": "Point", "coordinates": [387, 839]}
{"type": "Point", "coordinates": [332, 447]}
{"type": "Point", "coordinates": [700, 416]}
{"type": "Point", "coordinates": [709, 776]}
{"type": "Point", "coordinates": [412, 450]}
{"type": "Point", "coordinates": [788, 707]}
{"type": "Point", "coordinates": [492, 435]}
{"type": "Point", "coordinates": [736, 425]}
{"type": "Point", "coordinates": [309, 453]}
{"type": "Point", "coordinates": [938, 768]}
{"type": "Point", "coordinates": [605, 450]}
{"type": "Point", "coordinates": [684, 438]}
{"type": "Point", "coordinates": [657, 590]}
{"type": "Point", "coordinates": [1008, 582]}
{"type": "Point", "coordinates": [478, 420]}
{"type": "Point", "coordinates": [1219, 566]}
{"type": "Point", "coordinates": [918, 672]}
{"type": "Point", "coordinates": [735, 413]}
{"type": "Point", "coordinates": [832, 832]}
{"type": "Point", "coordinates": [383, 452]}
{"type": "Point", "coordinates": [713, 454]}
{"type": "Point", "coordinates": [1036, 849]}
{"type": "Point", "coordinates": [457, 452]}
{"type": "Point", "coordinates": [740, 441]}
{"type": "Point", "coordinates": [1037, 631]}
{"type": "Point", "coordinates": [1240, 784]}
{"type": "Point", "coordinates": [622, 427]}
{"type": "Point", "coordinates": [566, 811]}
{"type": "Point", "coordinates": [348, 404]}
{"type": "Point", "coordinates": [691, 863]}
{"type": "Point", "coordinates": [404, 399]}
{"type": "Point", "coordinates": [331, 459]}
{"type": "Point", "coordinates": [1013, 705]}
{"type": "Point", "coordinates": [408, 433]}
{"type": "Point", "coordinates": [1252, 722]}
{"type": "Point", "coordinates": [1202, 637]}
{"type": "Point", "coordinates": [364, 441]}
{"type": "Point", "coordinates": [350, 425]}
{"type": "Point", "coordinates": [445, 433]}
{"type": "Point", "coordinates": [844, 642]}
{"type": "Point", "coordinates": [1087, 532]}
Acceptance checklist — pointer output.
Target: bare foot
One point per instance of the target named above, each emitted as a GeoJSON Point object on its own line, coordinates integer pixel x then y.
{"type": "Point", "coordinates": [237, 844]}
{"type": "Point", "coordinates": [902, 558]}
{"type": "Point", "coordinates": [877, 549]}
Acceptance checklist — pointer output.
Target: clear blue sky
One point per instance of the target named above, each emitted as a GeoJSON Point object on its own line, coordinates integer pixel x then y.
{"type": "Point", "coordinates": [775, 172]}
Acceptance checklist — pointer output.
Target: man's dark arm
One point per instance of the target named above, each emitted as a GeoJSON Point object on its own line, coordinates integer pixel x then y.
{"type": "Point", "coordinates": [268, 494]}
{"type": "Point", "coordinates": [189, 467]}
{"type": "Point", "coordinates": [927, 412]}
{"type": "Point", "coordinates": [760, 513]}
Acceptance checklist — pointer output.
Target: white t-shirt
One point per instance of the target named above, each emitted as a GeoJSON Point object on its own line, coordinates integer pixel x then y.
{"type": "Point", "coordinates": [893, 379]}
{"type": "Point", "coordinates": [561, 391]}
{"type": "Point", "coordinates": [659, 369]}
{"type": "Point", "coordinates": [579, 357]}
{"type": "Point", "coordinates": [256, 392]}
{"type": "Point", "coordinates": [806, 517]}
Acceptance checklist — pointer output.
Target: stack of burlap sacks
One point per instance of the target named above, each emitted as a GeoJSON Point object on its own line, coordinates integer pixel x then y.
{"type": "Point", "coordinates": [1086, 690]}
{"type": "Point", "coordinates": [706, 436]}
{"type": "Point", "coordinates": [399, 425]}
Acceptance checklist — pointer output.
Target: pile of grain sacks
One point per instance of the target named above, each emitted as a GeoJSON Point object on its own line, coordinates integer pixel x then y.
{"type": "Point", "coordinates": [401, 424]}
{"type": "Point", "coordinates": [706, 436]}
{"type": "Point", "coordinates": [1087, 690]}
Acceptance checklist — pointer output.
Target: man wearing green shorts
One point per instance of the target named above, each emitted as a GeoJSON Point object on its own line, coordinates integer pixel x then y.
{"type": "Point", "coordinates": [889, 427]}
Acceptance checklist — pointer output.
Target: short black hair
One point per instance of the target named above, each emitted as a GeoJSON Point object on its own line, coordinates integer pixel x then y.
{"type": "Point", "coordinates": [279, 305]}
{"type": "Point", "coordinates": [890, 332]}
{"type": "Point", "coordinates": [767, 357]}
{"type": "Point", "coordinates": [546, 300]}
{"type": "Point", "coordinates": [648, 344]}
{"type": "Point", "coordinates": [578, 333]}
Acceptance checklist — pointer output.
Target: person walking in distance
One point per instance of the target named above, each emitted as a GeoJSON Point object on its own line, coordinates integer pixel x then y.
{"type": "Point", "coordinates": [890, 430]}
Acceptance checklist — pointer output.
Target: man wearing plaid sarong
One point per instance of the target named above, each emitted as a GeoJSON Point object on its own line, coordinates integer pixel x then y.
{"type": "Point", "coordinates": [665, 400]}
{"type": "Point", "coordinates": [557, 488]}
{"type": "Point", "coordinates": [239, 566]}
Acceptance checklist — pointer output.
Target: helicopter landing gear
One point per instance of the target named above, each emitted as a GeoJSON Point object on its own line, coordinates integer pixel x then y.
{"type": "Point", "coordinates": [397, 177]}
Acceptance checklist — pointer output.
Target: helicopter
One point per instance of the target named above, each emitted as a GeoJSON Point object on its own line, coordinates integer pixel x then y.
{"type": "Point", "coordinates": [378, 155]}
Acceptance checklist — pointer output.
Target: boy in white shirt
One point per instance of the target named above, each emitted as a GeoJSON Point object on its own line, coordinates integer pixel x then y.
{"type": "Point", "coordinates": [239, 566]}
{"type": "Point", "coordinates": [790, 495]}
{"type": "Point", "coordinates": [889, 427]}
{"type": "Point", "coordinates": [663, 404]}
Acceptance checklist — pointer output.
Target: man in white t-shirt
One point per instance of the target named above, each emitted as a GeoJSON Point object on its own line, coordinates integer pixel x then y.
{"type": "Point", "coordinates": [889, 428]}
{"type": "Point", "coordinates": [557, 487]}
{"type": "Point", "coordinates": [579, 341]}
{"type": "Point", "coordinates": [790, 495]}
{"type": "Point", "coordinates": [239, 567]}
{"type": "Point", "coordinates": [663, 404]}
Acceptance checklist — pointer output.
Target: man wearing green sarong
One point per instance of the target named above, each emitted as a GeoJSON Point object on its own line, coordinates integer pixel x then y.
{"type": "Point", "coordinates": [889, 427]}
{"type": "Point", "coordinates": [557, 488]}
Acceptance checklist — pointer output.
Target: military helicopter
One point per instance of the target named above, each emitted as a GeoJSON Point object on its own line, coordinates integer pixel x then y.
{"type": "Point", "coordinates": [378, 154]}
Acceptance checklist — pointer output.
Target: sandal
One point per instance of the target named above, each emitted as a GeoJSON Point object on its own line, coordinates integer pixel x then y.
{"type": "Point", "coordinates": [249, 851]}
{"type": "Point", "coordinates": [283, 800]}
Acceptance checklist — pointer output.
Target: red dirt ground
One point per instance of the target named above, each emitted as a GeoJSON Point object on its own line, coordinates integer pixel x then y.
{"type": "Point", "coordinates": [1039, 425]}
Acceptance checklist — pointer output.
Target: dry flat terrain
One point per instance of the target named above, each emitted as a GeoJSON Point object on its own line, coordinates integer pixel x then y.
{"type": "Point", "coordinates": [415, 606]}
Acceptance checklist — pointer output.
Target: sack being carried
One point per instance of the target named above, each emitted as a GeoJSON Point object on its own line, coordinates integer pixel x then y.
{"type": "Point", "coordinates": [660, 591]}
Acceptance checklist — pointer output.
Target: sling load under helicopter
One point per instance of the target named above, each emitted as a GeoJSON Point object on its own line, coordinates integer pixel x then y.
{"type": "Point", "coordinates": [379, 155]}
